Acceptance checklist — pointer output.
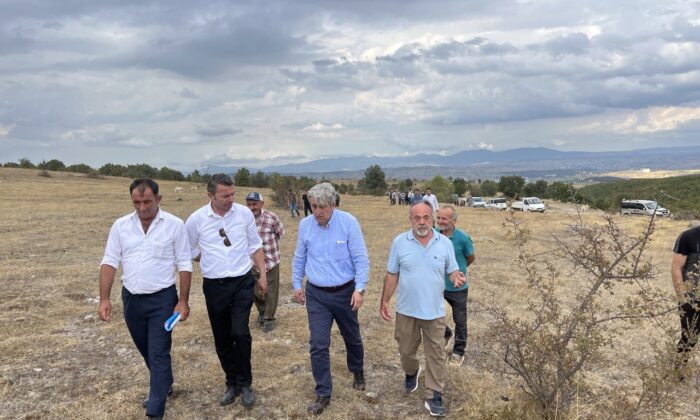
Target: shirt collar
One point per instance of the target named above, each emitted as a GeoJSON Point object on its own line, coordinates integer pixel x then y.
{"type": "Point", "coordinates": [328, 224]}
{"type": "Point", "coordinates": [411, 237]}
{"type": "Point", "coordinates": [453, 232]}
{"type": "Point", "coordinates": [210, 210]}
{"type": "Point", "coordinates": [135, 216]}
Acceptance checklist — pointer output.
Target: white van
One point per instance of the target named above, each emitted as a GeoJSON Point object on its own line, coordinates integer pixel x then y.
{"type": "Point", "coordinates": [642, 208]}
{"type": "Point", "coordinates": [529, 204]}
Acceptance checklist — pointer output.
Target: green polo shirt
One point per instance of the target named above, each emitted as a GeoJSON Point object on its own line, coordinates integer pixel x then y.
{"type": "Point", "coordinates": [463, 249]}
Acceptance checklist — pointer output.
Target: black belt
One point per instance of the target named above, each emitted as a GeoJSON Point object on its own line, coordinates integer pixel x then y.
{"type": "Point", "coordinates": [332, 289]}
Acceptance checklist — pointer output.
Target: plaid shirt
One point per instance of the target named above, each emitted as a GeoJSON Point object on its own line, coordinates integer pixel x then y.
{"type": "Point", "coordinates": [270, 230]}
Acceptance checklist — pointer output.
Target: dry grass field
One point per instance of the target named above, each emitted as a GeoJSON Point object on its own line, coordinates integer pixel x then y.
{"type": "Point", "coordinates": [57, 360]}
{"type": "Point", "coordinates": [638, 174]}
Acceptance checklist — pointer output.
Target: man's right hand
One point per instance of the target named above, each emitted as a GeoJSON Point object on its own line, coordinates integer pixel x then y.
{"type": "Point", "coordinates": [105, 310]}
{"type": "Point", "coordinates": [299, 295]}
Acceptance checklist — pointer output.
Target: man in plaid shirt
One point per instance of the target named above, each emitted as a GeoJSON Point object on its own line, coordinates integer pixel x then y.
{"type": "Point", "coordinates": [270, 230]}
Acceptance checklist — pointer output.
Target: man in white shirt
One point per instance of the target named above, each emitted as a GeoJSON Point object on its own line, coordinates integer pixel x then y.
{"type": "Point", "coordinates": [223, 238]}
{"type": "Point", "coordinates": [430, 198]}
{"type": "Point", "coordinates": [149, 243]}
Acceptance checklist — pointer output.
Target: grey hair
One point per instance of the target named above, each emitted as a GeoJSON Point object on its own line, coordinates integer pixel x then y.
{"type": "Point", "coordinates": [323, 193]}
{"type": "Point", "coordinates": [419, 203]}
{"type": "Point", "coordinates": [454, 212]}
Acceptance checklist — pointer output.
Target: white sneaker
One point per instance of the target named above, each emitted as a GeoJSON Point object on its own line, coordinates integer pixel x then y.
{"type": "Point", "coordinates": [455, 359]}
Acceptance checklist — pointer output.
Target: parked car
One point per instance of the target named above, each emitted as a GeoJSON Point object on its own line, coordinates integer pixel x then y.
{"type": "Point", "coordinates": [529, 204]}
{"type": "Point", "coordinates": [476, 202]}
{"type": "Point", "coordinates": [497, 203]}
{"type": "Point", "coordinates": [642, 208]}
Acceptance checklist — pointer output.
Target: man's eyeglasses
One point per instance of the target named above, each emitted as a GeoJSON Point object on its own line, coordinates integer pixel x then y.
{"type": "Point", "coordinates": [222, 233]}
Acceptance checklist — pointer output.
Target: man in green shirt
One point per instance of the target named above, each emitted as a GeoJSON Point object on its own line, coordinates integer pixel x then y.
{"type": "Point", "coordinates": [457, 297]}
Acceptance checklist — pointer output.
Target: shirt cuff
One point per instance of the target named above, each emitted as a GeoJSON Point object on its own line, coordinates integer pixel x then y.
{"type": "Point", "coordinates": [184, 266]}
{"type": "Point", "coordinates": [110, 262]}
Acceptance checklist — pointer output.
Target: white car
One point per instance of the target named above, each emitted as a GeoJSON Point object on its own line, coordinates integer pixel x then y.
{"type": "Point", "coordinates": [497, 204]}
{"type": "Point", "coordinates": [476, 202]}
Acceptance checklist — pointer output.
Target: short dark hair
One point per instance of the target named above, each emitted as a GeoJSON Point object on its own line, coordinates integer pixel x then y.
{"type": "Point", "coordinates": [142, 184]}
{"type": "Point", "coordinates": [219, 179]}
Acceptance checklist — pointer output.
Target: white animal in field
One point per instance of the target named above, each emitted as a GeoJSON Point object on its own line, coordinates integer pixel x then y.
{"type": "Point", "coordinates": [585, 208]}
{"type": "Point", "coordinates": [178, 189]}
{"type": "Point", "coordinates": [194, 187]}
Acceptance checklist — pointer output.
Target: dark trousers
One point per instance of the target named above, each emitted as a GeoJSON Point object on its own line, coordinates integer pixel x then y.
{"type": "Point", "coordinates": [322, 308]}
{"type": "Point", "coordinates": [458, 302]}
{"type": "Point", "coordinates": [145, 316]}
{"type": "Point", "coordinates": [228, 304]}
{"type": "Point", "coordinates": [307, 209]}
{"type": "Point", "coordinates": [690, 327]}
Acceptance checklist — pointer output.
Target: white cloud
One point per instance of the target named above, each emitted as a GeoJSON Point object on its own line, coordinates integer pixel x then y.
{"type": "Point", "coordinates": [318, 127]}
{"type": "Point", "coordinates": [658, 119]}
{"type": "Point", "coordinates": [6, 129]}
{"type": "Point", "coordinates": [482, 146]}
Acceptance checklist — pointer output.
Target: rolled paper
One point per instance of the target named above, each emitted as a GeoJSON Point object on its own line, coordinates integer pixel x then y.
{"type": "Point", "coordinates": [170, 323]}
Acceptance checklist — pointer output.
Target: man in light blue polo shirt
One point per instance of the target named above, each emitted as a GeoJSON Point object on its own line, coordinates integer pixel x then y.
{"type": "Point", "coordinates": [417, 264]}
{"type": "Point", "coordinates": [331, 252]}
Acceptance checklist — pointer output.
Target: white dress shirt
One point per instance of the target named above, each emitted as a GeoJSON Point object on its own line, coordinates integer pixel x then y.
{"type": "Point", "coordinates": [432, 200]}
{"type": "Point", "coordinates": [148, 259]}
{"type": "Point", "coordinates": [218, 260]}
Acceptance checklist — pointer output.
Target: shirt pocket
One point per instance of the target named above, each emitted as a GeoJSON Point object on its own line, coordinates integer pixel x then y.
{"type": "Point", "coordinates": [440, 262]}
{"type": "Point", "coordinates": [161, 249]}
{"type": "Point", "coordinates": [340, 251]}
{"type": "Point", "coordinates": [237, 235]}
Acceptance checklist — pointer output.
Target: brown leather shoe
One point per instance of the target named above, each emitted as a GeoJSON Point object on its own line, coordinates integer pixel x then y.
{"type": "Point", "coordinates": [319, 405]}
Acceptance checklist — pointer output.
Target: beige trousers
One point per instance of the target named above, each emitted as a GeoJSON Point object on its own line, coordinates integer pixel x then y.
{"type": "Point", "coordinates": [408, 334]}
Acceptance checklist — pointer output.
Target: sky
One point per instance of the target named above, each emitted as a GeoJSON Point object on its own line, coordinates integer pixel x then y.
{"type": "Point", "coordinates": [250, 83]}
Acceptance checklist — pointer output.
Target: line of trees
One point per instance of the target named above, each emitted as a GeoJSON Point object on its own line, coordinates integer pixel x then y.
{"type": "Point", "coordinates": [140, 170]}
{"type": "Point", "coordinates": [373, 183]}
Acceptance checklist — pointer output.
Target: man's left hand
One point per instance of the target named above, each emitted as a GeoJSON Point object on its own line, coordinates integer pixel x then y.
{"type": "Point", "coordinates": [356, 300]}
{"type": "Point", "coordinates": [183, 308]}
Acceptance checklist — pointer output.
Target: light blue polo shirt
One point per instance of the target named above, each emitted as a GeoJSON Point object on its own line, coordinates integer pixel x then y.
{"type": "Point", "coordinates": [421, 271]}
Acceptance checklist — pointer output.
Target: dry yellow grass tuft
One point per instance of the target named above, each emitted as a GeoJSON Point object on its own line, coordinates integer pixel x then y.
{"type": "Point", "coordinates": [58, 360]}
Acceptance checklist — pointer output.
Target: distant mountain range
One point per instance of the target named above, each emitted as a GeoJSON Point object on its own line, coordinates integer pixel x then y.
{"type": "Point", "coordinates": [533, 163]}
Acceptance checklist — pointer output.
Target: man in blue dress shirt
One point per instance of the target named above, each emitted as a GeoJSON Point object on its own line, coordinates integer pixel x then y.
{"type": "Point", "coordinates": [331, 253]}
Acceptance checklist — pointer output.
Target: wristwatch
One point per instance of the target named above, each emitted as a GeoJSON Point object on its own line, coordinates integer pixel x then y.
{"type": "Point", "coordinates": [360, 291]}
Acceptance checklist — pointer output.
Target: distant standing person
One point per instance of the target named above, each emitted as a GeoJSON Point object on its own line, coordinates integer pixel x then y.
{"type": "Point", "coordinates": [457, 296]}
{"type": "Point", "coordinates": [292, 203]}
{"type": "Point", "coordinates": [271, 230]}
{"type": "Point", "coordinates": [430, 198]}
{"type": "Point", "coordinates": [685, 274]}
{"type": "Point", "coordinates": [149, 244]}
{"type": "Point", "coordinates": [417, 264]}
{"type": "Point", "coordinates": [331, 253]}
{"type": "Point", "coordinates": [307, 204]}
{"type": "Point", "coordinates": [417, 196]}
{"type": "Point", "coordinates": [224, 239]}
